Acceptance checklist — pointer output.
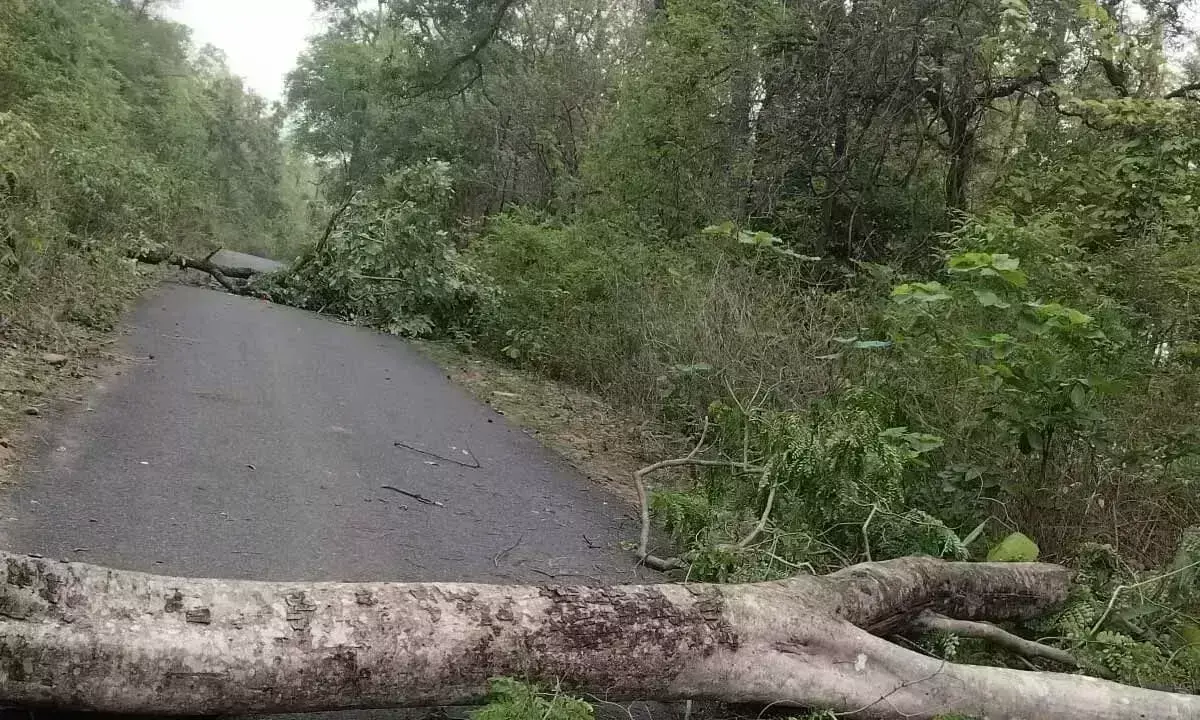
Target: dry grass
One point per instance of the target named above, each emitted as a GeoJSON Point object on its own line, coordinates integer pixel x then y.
{"type": "Point", "coordinates": [1139, 493]}
{"type": "Point", "coordinates": [72, 312]}
{"type": "Point", "coordinates": [763, 336]}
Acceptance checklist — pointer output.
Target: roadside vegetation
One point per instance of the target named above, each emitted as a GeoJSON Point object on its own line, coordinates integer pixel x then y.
{"type": "Point", "coordinates": [117, 137]}
{"type": "Point", "coordinates": [925, 272]}
{"type": "Point", "coordinates": [917, 277]}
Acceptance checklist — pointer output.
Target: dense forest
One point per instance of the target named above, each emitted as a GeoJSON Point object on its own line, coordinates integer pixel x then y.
{"type": "Point", "coordinates": [920, 272]}
{"type": "Point", "coordinates": [116, 136]}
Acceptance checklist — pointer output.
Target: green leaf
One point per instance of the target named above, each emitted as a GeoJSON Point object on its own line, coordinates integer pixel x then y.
{"type": "Point", "coordinates": [1003, 262]}
{"type": "Point", "coordinates": [987, 298]}
{"type": "Point", "coordinates": [1016, 278]}
{"type": "Point", "coordinates": [920, 292]}
{"type": "Point", "coordinates": [1017, 547]}
{"type": "Point", "coordinates": [1078, 396]}
{"type": "Point", "coordinates": [966, 262]}
{"type": "Point", "coordinates": [1077, 318]}
{"type": "Point", "coordinates": [974, 534]}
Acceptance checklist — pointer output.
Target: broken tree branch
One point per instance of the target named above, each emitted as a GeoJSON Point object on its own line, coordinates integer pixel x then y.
{"type": "Point", "coordinates": [639, 480]}
{"type": "Point", "coordinates": [996, 636]}
{"type": "Point", "coordinates": [80, 637]}
{"type": "Point", "coordinates": [220, 273]}
{"type": "Point", "coordinates": [762, 519]}
{"type": "Point", "coordinates": [1184, 91]}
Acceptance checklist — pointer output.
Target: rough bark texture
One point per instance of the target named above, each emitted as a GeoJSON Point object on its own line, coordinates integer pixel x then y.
{"type": "Point", "coordinates": [83, 637]}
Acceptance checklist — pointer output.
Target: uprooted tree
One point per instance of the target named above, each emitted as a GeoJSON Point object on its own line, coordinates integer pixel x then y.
{"type": "Point", "coordinates": [85, 637]}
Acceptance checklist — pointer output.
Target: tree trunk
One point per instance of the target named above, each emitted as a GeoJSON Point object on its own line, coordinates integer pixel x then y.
{"type": "Point", "coordinates": [75, 636]}
{"type": "Point", "coordinates": [739, 168]}
{"type": "Point", "coordinates": [958, 172]}
{"type": "Point", "coordinates": [221, 273]}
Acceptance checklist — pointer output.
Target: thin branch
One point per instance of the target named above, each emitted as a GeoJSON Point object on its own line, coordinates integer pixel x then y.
{"type": "Point", "coordinates": [865, 534]}
{"type": "Point", "coordinates": [689, 460]}
{"type": "Point", "coordinates": [895, 690]}
{"type": "Point", "coordinates": [762, 520]}
{"type": "Point", "coordinates": [1112, 601]}
{"type": "Point", "coordinates": [379, 278]}
{"type": "Point", "coordinates": [329, 228]}
{"type": "Point", "coordinates": [219, 273]}
{"type": "Point", "coordinates": [1182, 92]}
{"type": "Point", "coordinates": [995, 635]}
{"type": "Point", "coordinates": [639, 475]}
{"type": "Point", "coordinates": [481, 42]}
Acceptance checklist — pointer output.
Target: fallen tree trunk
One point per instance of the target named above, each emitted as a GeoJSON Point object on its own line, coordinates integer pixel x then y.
{"type": "Point", "coordinates": [75, 636]}
{"type": "Point", "coordinates": [221, 273]}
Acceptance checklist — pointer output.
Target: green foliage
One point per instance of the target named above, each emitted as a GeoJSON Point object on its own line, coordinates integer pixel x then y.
{"type": "Point", "coordinates": [838, 485]}
{"type": "Point", "coordinates": [1138, 627]}
{"type": "Point", "coordinates": [389, 261]}
{"type": "Point", "coordinates": [510, 699]}
{"type": "Point", "coordinates": [941, 273]}
{"type": "Point", "coordinates": [112, 138]}
{"type": "Point", "coordinates": [1017, 547]}
{"type": "Point", "coordinates": [566, 294]}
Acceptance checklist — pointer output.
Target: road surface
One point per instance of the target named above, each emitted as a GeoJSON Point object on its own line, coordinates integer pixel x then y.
{"type": "Point", "coordinates": [229, 258]}
{"type": "Point", "coordinates": [248, 440]}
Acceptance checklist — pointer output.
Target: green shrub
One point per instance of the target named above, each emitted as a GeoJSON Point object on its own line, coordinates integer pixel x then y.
{"type": "Point", "coordinates": [510, 699]}
{"type": "Point", "coordinates": [390, 262]}
{"type": "Point", "coordinates": [570, 298]}
{"type": "Point", "coordinates": [835, 484]}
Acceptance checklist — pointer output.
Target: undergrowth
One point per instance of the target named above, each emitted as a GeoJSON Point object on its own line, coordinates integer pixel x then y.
{"type": "Point", "coordinates": [510, 699]}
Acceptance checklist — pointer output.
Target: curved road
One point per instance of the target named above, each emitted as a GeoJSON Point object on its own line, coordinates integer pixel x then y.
{"type": "Point", "coordinates": [250, 440]}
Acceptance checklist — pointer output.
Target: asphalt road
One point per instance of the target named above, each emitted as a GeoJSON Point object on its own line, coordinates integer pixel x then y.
{"type": "Point", "coordinates": [248, 440]}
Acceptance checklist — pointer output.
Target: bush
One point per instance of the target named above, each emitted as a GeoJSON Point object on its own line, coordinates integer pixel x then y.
{"type": "Point", "coordinates": [664, 327]}
{"type": "Point", "coordinates": [570, 299]}
{"type": "Point", "coordinates": [511, 699]}
{"type": "Point", "coordinates": [389, 263]}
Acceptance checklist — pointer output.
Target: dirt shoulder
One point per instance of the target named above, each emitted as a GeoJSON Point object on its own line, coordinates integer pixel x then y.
{"type": "Point", "coordinates": [52, 353]}
{"type": "Point", "coordinates": [604, 443]}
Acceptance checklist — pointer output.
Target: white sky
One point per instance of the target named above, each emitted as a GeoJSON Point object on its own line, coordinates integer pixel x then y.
{"type": "Point", "coordinates": [261, 38]}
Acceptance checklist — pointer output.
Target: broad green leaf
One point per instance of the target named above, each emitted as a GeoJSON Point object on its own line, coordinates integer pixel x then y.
{"type": "Point", "coordinates": [1001, 261]}
{"type": "Point", "coordinates": [1016, 278]}
{"type": "Point", "coordinates": [920, 292]}
{"type": "Point", "coordinates": [966, 262]}
{"type": "Point", "coordinates": [1077, 318]}
{"type": "Point", "coordinates": [987, 298]}
{"type": "Point", "coordinates": [1017, 547]}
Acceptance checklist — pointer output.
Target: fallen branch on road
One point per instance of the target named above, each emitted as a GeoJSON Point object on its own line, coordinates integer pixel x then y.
{"type": "Point", "coordinates": [221, 273]}
{"type": "Point", "coordinates": [81, 637]}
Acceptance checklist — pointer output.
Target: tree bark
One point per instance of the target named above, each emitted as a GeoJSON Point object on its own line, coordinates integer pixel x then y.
{"type": "Point", "coordinates": [81, 637]}
{"type": "Point", "coordinates": [221, 273]}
